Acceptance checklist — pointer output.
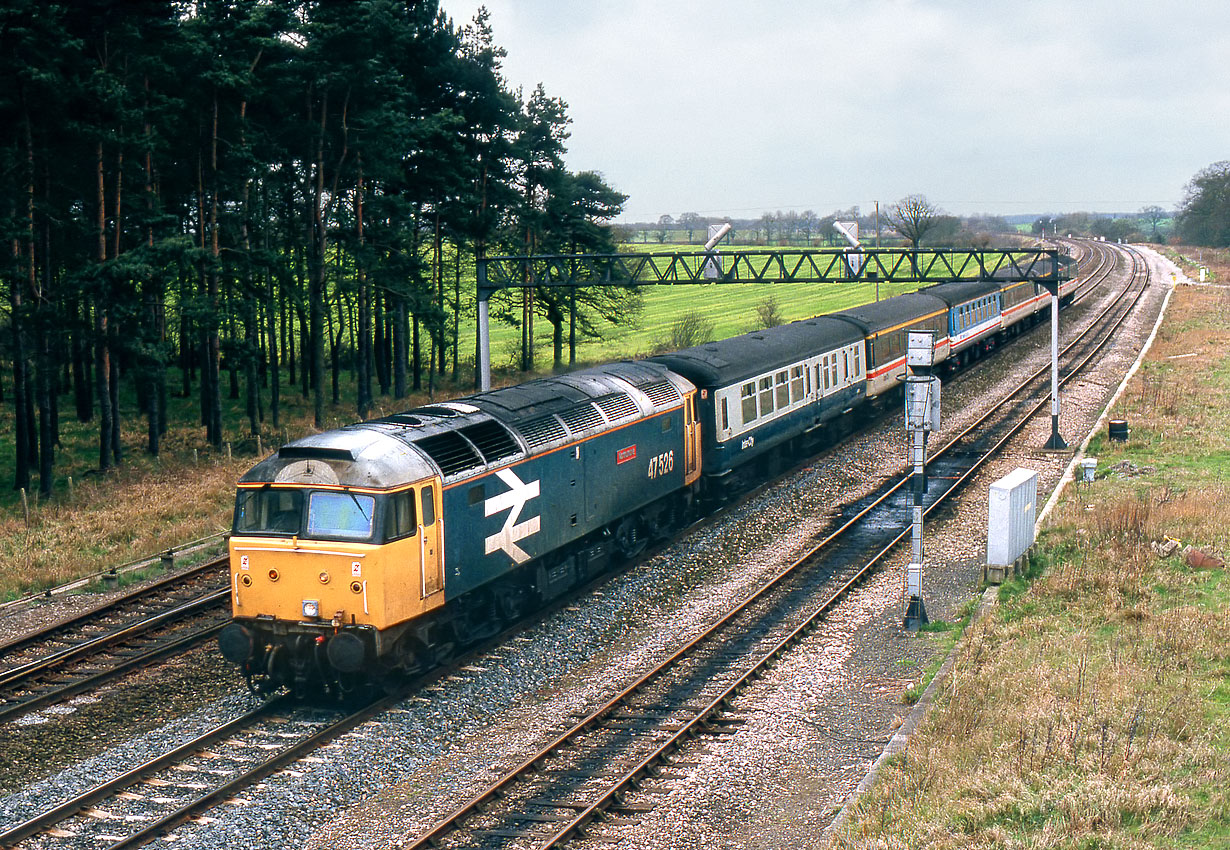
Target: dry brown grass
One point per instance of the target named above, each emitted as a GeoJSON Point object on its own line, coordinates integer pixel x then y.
{"type": "Point", "coordinates": [116, 518]}
{"type": "Point", "coordinates": [1091, 710]}
{"type": "Point", "coordinates": [146, 505]}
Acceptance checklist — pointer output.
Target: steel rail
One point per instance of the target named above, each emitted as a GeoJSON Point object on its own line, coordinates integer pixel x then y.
{"type": "Point", "coordinates": [228, 789]}
{"type": "Point", "coordinates": [715, 706]}
{"type": "Point", "coordinates": [110, 787]}
{"type": "Point", "coordinates": [14, 675]}
{"type": "Point", "coordinates": [718, 704]}
{"type": "Point", "coordinates": [137, 594]}
{"type": "Point", "coordinates": [27, 705]}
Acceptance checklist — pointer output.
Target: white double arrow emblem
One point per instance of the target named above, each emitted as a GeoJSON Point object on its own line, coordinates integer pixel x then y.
{"type": "Point", "coordinates": [513, 500]}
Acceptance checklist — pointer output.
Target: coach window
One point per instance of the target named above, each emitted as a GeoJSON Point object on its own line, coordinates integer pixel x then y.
{"type": "Point", "coordinates": [766, 396]}
{"type": "Point", "coordinates": [749, 402]}
{"type": "Point", "coordinates": [858, 356]}
{"type": "Point", "coordinates": [783, 391]}
{"type": "Point", "coordinates": [796, 383]}
{"type": "Point", "coordinates": [725, 415]}
{"type": "Point", "coordinates": [399, 515]}
{"type": "Point", "coordinates": [832, 381]}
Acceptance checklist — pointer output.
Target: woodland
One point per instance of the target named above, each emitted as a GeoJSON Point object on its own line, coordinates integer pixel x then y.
{"type": "Point", "coordinates": [199, 197]}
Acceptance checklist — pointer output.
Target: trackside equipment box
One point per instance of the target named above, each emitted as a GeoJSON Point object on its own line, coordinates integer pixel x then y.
{"type": "Point", "coordinates": [1010, 521]}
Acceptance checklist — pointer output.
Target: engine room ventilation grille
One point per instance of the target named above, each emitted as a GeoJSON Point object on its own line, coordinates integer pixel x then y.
{"type": "Point", "coordinates": [451, 452]}
{"type": "Point", "coordinates": [541, 431]}
{"type": "Point", "coordinates": [618, 406]}
{"type": "Point", "coordinates": [661, 392]}
{"type": "Point", "coordinates": [582, 418]}
{"type": "Point", "coordinates": [492, 440]}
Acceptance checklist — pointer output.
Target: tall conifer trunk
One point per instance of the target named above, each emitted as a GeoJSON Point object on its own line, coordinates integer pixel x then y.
{"type": "Point", "coordinates": [102, 351]}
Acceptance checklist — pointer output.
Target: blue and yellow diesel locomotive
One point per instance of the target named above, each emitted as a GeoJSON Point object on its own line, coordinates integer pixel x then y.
{"type": "Point", "coordinates": [365, 552]}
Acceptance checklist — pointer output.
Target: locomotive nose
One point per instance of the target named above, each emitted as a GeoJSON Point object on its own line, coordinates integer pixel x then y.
{"type": "Point", "coordinates": [235, 643]}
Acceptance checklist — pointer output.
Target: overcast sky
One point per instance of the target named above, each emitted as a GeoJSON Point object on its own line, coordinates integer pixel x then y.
{"type": "Point", "coordinates": [739, 108]}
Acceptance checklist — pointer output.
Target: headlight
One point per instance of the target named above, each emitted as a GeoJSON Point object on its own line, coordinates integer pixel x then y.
{"type": "Point", "coordinates": [311, 609]}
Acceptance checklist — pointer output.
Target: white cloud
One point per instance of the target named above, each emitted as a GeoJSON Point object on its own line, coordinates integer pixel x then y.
{"type": "Point", "coordinates": [735, 107]}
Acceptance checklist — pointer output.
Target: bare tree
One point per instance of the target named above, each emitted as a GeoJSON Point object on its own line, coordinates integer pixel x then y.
{"type": "Point", "coordinates": [913, 216]}
{"type": "Point", "coordinates": [665, 222]}
{"type": "Point", "coordinates": [691, 222]}
{"type": "Point", "coordinates": [1154, 215]}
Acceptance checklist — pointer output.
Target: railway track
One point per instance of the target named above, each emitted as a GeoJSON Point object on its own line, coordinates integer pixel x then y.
{"type": "Point", "coordinates": [154, 797]}
{"type": "Point", "coordinates": [100, 645]}
{"type": "Point", "coordinates": [583, 775]}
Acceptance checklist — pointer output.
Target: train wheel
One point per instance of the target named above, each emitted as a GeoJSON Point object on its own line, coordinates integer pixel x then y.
{"type": "Point", "coordinates": [661, 519]}
{"type": "Point", "coordinates": [510, 602]}
{"type": "Point", "coordinates": [630, 538]}
{"type": "Point", "coordinates": [480, 619]}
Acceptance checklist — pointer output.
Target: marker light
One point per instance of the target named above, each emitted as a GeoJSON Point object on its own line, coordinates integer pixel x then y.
{"type": "Point", "coordinates": [311, 609]}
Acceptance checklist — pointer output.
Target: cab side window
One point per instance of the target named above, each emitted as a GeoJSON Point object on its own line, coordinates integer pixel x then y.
{"type": "Point", "coordinates": [429, 506]}
{"type": "Point", "coordinates": [399, 516]}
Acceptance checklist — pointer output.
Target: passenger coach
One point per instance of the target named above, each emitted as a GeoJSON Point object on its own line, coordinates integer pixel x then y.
{"type": "Point", "coordinates": [762, 389]}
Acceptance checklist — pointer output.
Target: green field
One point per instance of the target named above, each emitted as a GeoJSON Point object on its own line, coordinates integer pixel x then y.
{"type": "Point", "coordinates": [730, 307]}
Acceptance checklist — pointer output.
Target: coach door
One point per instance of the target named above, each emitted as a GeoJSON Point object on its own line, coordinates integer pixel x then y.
{"type": "Point", "coordinates": [691, 440]}
{"type": "Point", "coordinates": [431, 539]}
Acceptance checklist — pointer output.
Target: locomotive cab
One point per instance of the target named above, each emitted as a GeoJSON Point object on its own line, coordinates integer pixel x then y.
{"type": "Point", "coordinates": [332, 553]}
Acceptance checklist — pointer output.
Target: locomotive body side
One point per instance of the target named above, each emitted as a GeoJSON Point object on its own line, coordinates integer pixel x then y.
{"type": "Point", "coordinates": [549, 501]}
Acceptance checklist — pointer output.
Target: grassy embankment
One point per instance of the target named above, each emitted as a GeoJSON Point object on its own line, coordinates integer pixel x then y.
{"type": "Point", "coordinates": [1092, 707]}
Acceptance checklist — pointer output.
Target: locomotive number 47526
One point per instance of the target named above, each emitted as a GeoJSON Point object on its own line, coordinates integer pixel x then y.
{"type": "Point", "coordinates": [661, 464]}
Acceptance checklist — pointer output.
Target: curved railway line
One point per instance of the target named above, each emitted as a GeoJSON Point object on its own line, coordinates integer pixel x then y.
{"type": "Point", "coordinates": [582, 775]}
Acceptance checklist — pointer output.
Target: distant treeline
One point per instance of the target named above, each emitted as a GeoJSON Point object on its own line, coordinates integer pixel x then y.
{"type": "Point", "coordinates": [807, 229]}
{"type": "Point", "coordinates": [266, 188]}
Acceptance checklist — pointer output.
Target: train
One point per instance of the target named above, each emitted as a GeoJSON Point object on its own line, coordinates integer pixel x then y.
{"type": "Point", "coordinates": [365, 554]}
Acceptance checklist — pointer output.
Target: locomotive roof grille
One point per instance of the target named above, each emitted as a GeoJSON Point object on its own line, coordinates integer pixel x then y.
{"type": "Point", "coordinates": [492, 440]}
{"type": "Point", "coordinates": [618, 406]}
{"type": "Point", "coordinates": [661, 393]}
{"type": "Point", "coordinates": [542, 431]}
{"type": "Point", "coordinates": [452, 452]}
{"type": "Point", "coordinates": [581, 418]}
